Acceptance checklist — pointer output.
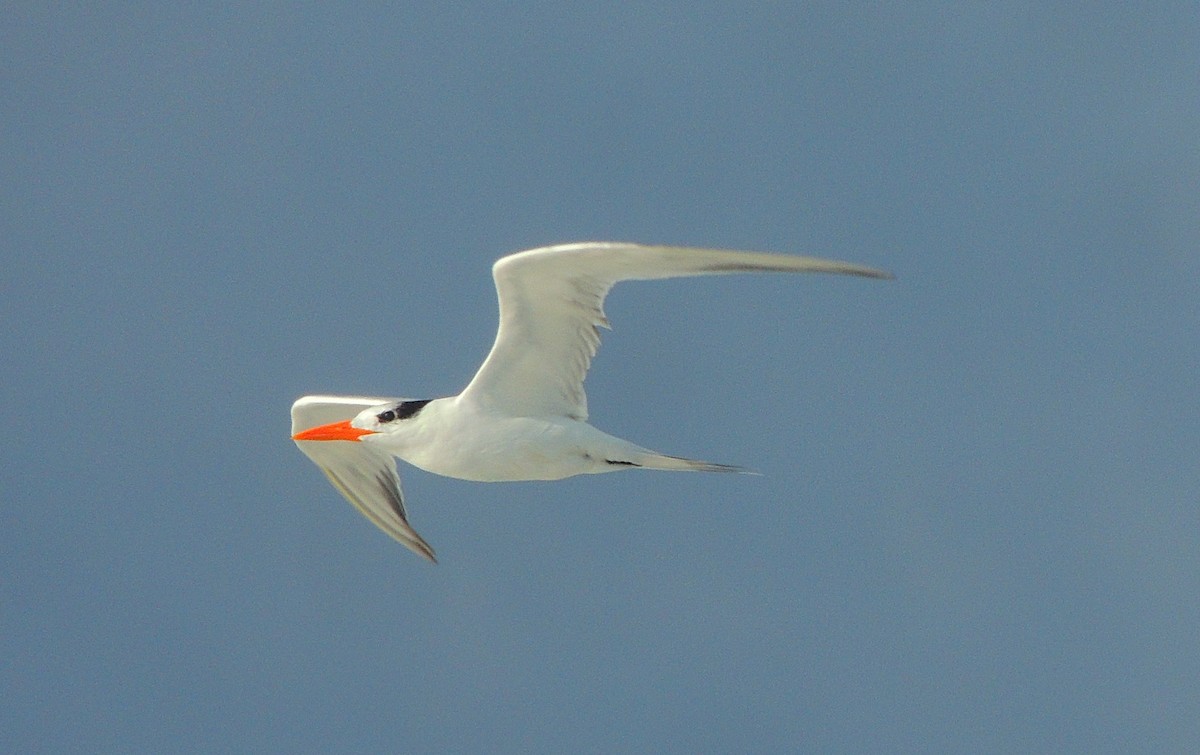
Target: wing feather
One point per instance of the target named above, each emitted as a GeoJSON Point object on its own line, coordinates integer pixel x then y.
{"type": "Point", "coordinates": [365, 476]}
{"type": "Point", "coordinates": [552, 309]}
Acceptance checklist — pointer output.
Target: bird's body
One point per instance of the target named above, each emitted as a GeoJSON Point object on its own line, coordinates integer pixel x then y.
{"type": "Point", "coordinates": [458, 439]}
{"type": "Point", "coordinates": [524, 415]}
{"type": "Point", "coordinates": [454, 437]}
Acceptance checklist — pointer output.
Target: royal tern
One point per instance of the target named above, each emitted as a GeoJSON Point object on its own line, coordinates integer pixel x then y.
{"type": "Point", "coordinates": [524, 414]}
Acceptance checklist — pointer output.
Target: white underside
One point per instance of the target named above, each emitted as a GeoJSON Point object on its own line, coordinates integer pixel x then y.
{"type": "Point", "coordinates": [455, 439]}
{"type": "Point", "coordinates": [523, 416]}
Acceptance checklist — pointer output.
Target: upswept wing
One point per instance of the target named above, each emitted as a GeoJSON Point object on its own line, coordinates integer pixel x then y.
{"type": "Point", "coordinates": [552, 307]}
{"type": "Point", "coordinates": [365, 476]}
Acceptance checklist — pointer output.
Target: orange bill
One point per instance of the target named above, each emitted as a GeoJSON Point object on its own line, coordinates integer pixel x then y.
{"type": "Point", "coordinates": [332, 431]}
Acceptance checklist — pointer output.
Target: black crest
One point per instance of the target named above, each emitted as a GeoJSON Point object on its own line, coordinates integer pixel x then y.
{"type": "Point", "coordinates": [403, 410]}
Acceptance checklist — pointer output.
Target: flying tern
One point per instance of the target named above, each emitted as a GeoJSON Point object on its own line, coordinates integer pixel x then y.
{"type": "Point", "coordinates": [524, 414]}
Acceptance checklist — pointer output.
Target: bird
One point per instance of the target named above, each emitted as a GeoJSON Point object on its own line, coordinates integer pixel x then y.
{"type": "Point", "coordinates": [524, 415]}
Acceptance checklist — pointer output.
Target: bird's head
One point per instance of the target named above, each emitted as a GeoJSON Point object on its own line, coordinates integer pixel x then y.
{"type": "Point", "coordinates": [375, 420]}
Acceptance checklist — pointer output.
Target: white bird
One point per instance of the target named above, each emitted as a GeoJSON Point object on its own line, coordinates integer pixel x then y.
{"type": "Point", "coordinates": [524, 414]}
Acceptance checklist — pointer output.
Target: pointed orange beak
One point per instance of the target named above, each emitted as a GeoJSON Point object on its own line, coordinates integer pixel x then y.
{"type": "Point", "coordinates": [333, 431]}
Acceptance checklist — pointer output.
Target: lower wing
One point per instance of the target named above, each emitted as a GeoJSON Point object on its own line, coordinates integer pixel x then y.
{"type": "Point", "coordinates": [365, 476]}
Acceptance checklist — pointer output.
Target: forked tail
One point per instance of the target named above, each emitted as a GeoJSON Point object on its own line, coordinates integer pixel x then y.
{"type": "Point", "coordinates": [680, 464]}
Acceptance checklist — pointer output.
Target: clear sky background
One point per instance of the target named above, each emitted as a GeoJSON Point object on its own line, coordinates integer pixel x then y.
{"type": "Point", "coordinates": [978, 523]}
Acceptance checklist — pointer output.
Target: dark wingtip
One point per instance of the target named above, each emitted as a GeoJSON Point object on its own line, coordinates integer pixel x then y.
{"type": "Point", "coordinates": [428, 553]}
{"type": "Point", "coordinates": [417, 545]}
{"type": "Point", "coordinates": [870, 272]}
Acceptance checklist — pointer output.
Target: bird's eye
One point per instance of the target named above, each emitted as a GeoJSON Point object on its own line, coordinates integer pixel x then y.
{"type": "Point", "coordinates": [387, 416]}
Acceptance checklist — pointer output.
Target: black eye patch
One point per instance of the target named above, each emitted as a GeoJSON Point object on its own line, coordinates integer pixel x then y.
{"type": "Point", "coordinates": [410, 409]}
{"type": "Point", "coordinates": [405, 410]}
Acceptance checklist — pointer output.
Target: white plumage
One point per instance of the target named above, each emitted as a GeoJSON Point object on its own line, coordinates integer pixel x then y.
{"type": "Point", "coordinates": [524, 414]}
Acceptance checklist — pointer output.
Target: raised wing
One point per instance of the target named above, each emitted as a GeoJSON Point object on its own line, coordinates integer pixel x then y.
{"type": "Point", "coordinates": [552, 307]}
{"type": "Point", "coordinates": [365, 476]}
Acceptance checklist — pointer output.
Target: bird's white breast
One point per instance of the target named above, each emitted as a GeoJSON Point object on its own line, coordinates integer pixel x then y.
{"type": "Point", "coordinates": [456, 439]}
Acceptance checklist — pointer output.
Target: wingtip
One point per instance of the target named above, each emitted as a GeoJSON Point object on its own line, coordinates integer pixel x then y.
{"type": "Point", "coordinates": [416, 544]}
{"type": "Point", "coordinates": [872, 272]}
{"type": "Point", "coordinates": [428, 554]}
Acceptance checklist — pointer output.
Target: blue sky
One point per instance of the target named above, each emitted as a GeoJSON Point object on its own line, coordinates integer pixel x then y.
{"type": "Point", "coordinates": [978, 524]}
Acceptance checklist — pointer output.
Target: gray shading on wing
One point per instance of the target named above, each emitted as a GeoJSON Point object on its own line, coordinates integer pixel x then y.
{"type": "Point", "coordinates": [552, 308]}
{"type": "Point", "coordinates": [365, 476]}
